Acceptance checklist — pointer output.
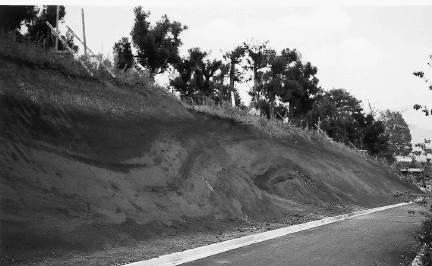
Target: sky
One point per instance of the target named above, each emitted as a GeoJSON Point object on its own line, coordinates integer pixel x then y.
{"type": "Point", "coordinates": [368, 49]}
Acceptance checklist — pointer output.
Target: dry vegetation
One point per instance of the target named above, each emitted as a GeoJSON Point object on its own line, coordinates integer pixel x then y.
{"type": "Point", "coordinates": [28, 54]}
{"type": "Point", "coordinates": [275, 128]}
{"type": "Point", "coordinates": [133, 82]}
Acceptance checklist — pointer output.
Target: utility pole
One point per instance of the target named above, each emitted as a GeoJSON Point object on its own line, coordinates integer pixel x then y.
{"type": "Point", "coordinates": [56, 28]}
{"type": "Point", "coordinates": [84, 35]}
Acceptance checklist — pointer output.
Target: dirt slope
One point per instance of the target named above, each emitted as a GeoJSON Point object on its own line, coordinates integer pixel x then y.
{"type": "Point", "coordinates": [87, 164]}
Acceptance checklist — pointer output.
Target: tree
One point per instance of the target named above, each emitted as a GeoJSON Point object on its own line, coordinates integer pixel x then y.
{"type": "Point", "coordinates": [234, 57]}
{"type": "Point", "coordinates": [340, 115]}
{"type": "Point", "coordinates": [157, 45]}
{"type": "Point", "coordinates": [38, 30]}
{"type": "Point", "coordinates": [197, 75]}
{"type": "Point", "coordinates": [300, 82]}
{"type": "Point", "coordinates": [258, 57]}
{"type": "Point", "coordinates": [182, 83]}
{"type": "Point", "coordinates": [13, 17]}
{"type": "Point", "coordinates": [123, 54]}
{"type": "Point", "coordinates": [187, 82]}
{"type": "Point", "coordinates": [375, 139]}
{"type": "Point", "coordinates": [290, 81]}
{"type": "Point", "coordinates": [205, 76]}
{"type": "Point", "coordinates": [274, 84]}
{"type": "Point", "coordinates": [421, 74]}
{"type": "Point", "coordinates": [425, 149]}
{"type": "Point", "coordinates": [398, 131]}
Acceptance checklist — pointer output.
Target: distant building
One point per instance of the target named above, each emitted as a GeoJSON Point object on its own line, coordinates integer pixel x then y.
{"type": "Point", "coordinates": [412, 170]}
{"type": "Point", "coordinates": [363, 152]}
{"type": "Point", "coordinates": [403, 159]}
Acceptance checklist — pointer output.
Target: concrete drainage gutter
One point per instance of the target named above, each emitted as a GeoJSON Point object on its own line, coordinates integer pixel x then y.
{"type": "Point", "coordinates": [216, 248]}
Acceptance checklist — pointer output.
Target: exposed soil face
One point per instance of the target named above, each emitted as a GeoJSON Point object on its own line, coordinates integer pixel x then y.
{"type": "Point", "coordinates": [86, 165]}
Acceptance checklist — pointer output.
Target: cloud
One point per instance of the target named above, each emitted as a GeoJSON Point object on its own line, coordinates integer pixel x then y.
{"type": "Point", "coordinates": [283, 30]}
{"type": "Point", "coordinates": [217, 34]}
{"type": "Point", "coordinates": [354, 53]}
{"type": "Point", "coordinates": [320, 23]}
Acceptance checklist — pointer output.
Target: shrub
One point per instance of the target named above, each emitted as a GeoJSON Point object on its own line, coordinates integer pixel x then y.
{"type": "Point", "coordinates": [424, 237]}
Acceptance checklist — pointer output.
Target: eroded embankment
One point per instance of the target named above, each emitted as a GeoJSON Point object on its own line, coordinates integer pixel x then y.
{"type": "Point", "coordinates": [86, 164]}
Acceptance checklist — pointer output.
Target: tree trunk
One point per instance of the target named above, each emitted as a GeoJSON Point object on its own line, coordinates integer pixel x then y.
{"type": "Point", "coordinates": [272, 102]}
{"type": "Point", "coordinates": [291, 109]}
{"type": "Point", "coordinates": [255, 86]}
{"type": "Point", "coordinates": [152, 74]}
{"type": "Point", "coordinates": [232, 76]}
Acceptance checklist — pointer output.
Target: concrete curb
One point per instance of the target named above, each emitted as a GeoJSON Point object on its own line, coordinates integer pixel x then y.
{"type": "Point", "coordinates": [216, 248]}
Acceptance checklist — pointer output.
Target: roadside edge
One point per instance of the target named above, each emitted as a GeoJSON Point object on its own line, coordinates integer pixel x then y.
{"type": "Point", "coordinates": [220, 247]}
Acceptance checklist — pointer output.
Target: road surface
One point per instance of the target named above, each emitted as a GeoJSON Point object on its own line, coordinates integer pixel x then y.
{"type": "Point", "coordinates": [381, 238]}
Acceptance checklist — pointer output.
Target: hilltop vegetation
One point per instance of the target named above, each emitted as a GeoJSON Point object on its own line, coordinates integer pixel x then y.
{"type": "Point", "coordinates": [285, 87]}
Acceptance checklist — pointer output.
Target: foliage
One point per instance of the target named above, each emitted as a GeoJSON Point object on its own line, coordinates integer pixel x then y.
{"type": "Point", "coordinates": [234, 57]}
{"type": "Point", "coordinates": [13, 17]}
{"type": "Point", "coordinates": [341, 116]}
{"type": "Point", "coordinates": [205, 75]}
{"type": "Point", "coordinates": [258, 57]}
{"type": "Point", "coordinates": [398, 131]}
{"type": "Point", "coordinates": [38, 29]}
{"type": "Point", "coordinates": [425, 149]}
{"type": "Point", "coordinates": [291, 81]}
{"type": "Point", "coordinates": [425, 234]}
{"type": "Point", "coordinates": [123, 57]}
{"type": "Point", "coordinates": [134, 77]}
{"type": "Point", "coordinates": [375, 140]}
{"type": "Point", "coordinates": [420, 74]}
{"type": "Point", "coordinates": [182, 83]}
{"type": "Point", "coordinates": [157, 45]}
{"type": "Point", "coordinates": [424, 238]}
{"type": "Point", "coordinates": [200, 77]}
{"type": "Point", "coordinates": [39, 32]}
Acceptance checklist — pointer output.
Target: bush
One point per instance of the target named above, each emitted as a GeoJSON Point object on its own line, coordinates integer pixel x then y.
{"type": "Point", "coordinates": [424, 237]}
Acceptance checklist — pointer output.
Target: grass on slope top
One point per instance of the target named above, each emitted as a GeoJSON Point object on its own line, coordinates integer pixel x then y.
{"type": "Point", "coordinates": [273, 128]}
{"type": "Point", "coordinates": [29, 72]}
{"type": "Point", "coordinates": [66, 83]}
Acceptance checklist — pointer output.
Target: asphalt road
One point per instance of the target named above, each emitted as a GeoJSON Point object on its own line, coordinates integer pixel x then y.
{"type": "Point", "coordinates": [381, 238]}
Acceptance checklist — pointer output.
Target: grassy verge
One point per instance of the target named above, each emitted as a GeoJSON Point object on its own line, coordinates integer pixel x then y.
{"type": "Point", "coordinates": [31, 55]}
{"type": "Point", "coordinates": [424, 236]}
{"type": "Point", "coordinates": [26, 53]}
{"type": "Point", "coordinates": [42, 77]}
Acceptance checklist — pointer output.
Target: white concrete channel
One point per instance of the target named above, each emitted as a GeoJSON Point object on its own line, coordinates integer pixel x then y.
{"type": "Point", "coordinates": [220, 247]}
